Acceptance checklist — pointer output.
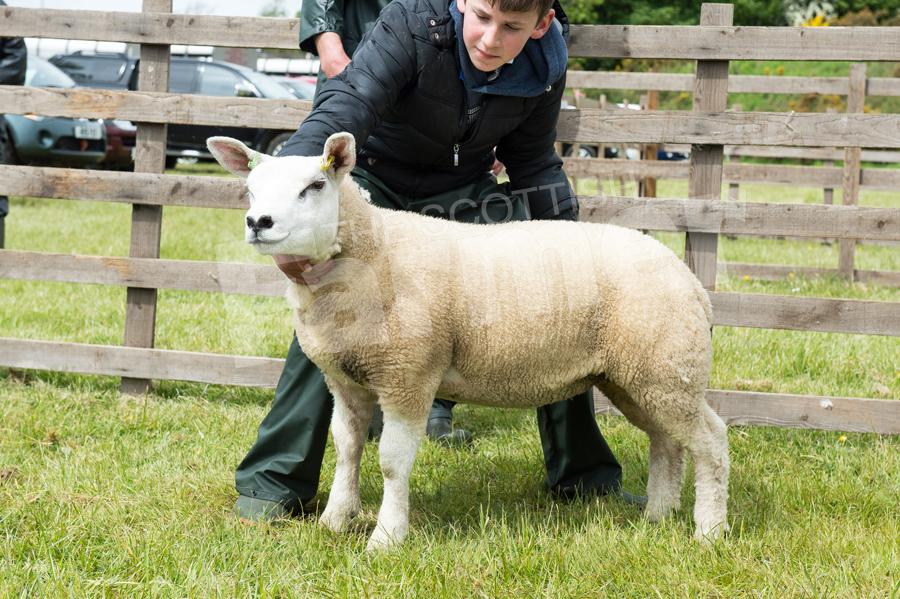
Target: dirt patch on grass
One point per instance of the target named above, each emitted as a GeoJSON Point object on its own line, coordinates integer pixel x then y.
{"type": "Point", "coordinates": [7, 474]}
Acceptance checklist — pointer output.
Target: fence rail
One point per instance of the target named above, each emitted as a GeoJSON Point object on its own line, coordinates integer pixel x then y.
{"type": "Point", "coordinates": [735, 407]}
{"type": "Point", "coordinates": [601, 41]}
{"type": "Point", "coordinates": [585, 125]}
{"type": "Point", "coordinates": [729, 309]}
{"type": "Point", "coordinates": [754, 84]}
{"type": "Point", "coordinates": [811, 176]}
{"type": "Point", "coordinates": [708, 129]}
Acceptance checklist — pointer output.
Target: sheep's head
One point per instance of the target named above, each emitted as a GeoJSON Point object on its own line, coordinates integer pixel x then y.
{"type": "Point", "coordinates": [294, 204]}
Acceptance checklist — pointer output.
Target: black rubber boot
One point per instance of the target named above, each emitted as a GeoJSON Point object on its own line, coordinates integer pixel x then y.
{"type": "Point", "coordinates": [263, 510]}
{"type": "Point", "coordinates": [282, 467]}
{"type": "Point", "coordinates": [578, 460]}
{"type": "Point", "coordinates": [377, 424]}
{"type": "Point", "coordinates": [440, 429]}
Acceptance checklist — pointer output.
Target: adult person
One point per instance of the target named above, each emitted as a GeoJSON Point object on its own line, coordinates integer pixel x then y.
{"type": "Point", "coordinates": [332, 31]}
{"type": "Point", "coordinates": [432, 89]}
{"type": "Point", "coordinates": [13, 62]}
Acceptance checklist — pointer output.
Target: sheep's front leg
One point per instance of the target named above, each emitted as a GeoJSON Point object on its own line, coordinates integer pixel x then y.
{"type": "Point", "coordinates": [352, 412]}
{"type": "Point", "coordinates": [399, 443]}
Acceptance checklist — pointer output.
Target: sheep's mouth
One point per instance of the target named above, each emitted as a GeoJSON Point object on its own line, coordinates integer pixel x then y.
{"type": "Point", "coordinates": [257, 240]}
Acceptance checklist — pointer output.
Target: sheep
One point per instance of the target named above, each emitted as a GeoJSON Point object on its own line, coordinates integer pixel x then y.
{"type": "Point", "coordinates": [406, 307]}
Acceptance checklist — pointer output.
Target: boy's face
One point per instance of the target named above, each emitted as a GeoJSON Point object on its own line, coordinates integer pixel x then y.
{"type": "Point", "coordinates": [494, 37]}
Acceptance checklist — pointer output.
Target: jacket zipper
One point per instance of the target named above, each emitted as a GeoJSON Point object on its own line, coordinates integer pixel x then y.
{"type": "Point", "coordinates": [473, 132]}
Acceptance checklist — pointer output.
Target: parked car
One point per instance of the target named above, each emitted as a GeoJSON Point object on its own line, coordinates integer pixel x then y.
{"type": "Point", "coordinates": [302, 87]}
{"type": "Point", "coordinates": [188, 75]}
{"type": "Point", "coordinates": [591, 150]}
{"type": "Point", "coordinates": [53, 141]}
{"type": "Point", "coordinates": [108, 70]}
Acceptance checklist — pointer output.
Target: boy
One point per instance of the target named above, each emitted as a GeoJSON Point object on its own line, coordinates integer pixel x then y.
{"type": "Point", "coordinates": [431, 91]}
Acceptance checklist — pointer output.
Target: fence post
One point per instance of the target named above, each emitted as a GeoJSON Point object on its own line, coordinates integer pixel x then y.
{"type": "Point", "coordinates": [576, 147]}
{"type": "Point", "coordinates": [828, 195]}
{"type": "Point", "coordinates": [710, 95]}
{"type": "Point", "coordinates": [146, 221]}
{"type": "Point", "coordinates": [856, 100]}
{"type": "Point", "coordinates": [647, 188]}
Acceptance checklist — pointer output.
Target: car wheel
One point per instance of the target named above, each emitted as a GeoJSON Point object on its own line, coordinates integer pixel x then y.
{"type": "Point", "coordinates": [276, 143]}
{"type": "Point", "coordinates": [587, 152]}
{"type": "Point", "coordinates": [583, 151]}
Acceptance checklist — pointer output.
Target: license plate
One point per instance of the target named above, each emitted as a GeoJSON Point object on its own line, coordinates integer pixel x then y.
{"type": "Point", "coordinates": [88, 131]}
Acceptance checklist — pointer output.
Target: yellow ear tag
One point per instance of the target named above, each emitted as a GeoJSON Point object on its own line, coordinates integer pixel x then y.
{"type": "Point", "coordinates": [254, 162]}
{"type": "Point", "coordinates": [327, 162]}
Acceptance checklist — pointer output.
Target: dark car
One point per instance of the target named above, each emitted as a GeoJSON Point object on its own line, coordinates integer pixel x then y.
{"type": "Point", "coordinates": [54, 141]}
{"type": "Point", "coordinates": [189, 75]}
{"type": "Point", "coordinates": [108, 70]}
{"type": "Point", "coordinates": [217, 78]}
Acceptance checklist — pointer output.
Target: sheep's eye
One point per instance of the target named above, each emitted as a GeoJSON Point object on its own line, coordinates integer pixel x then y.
{"type": "Point", "coordinates": [314, 186]}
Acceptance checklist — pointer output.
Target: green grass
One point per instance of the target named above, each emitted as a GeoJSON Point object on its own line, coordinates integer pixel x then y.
{"type": "Point", "coordinates": [106, 496]}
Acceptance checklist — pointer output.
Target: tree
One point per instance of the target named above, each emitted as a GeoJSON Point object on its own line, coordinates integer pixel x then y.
{"type": "Point", "coordinates": [678, 12]}
{"type": "Point", "coordinates": [273, 8]}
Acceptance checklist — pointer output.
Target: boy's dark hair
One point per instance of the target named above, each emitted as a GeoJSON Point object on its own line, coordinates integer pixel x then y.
{"type": "Point", "coordinates": [541, 6]}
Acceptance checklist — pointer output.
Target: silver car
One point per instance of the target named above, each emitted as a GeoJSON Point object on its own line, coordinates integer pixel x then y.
{"type": "Point", "coordinates": [55, 141]}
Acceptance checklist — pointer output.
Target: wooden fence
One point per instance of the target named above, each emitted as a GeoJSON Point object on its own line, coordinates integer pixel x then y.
{"type": "Point", "coordinates": [851, 177]}
{"type": "Point", "coordinates": [708, 128]}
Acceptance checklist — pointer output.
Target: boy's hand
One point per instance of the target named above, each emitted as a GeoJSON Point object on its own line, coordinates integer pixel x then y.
{"type": "Point", "coordinates": [332, 58]}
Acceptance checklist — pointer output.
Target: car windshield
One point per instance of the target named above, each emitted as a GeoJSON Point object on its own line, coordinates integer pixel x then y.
{"type": "Point", "coordinates": [41, 73]}
{"type": "Point", "coordinates": [267, 86]}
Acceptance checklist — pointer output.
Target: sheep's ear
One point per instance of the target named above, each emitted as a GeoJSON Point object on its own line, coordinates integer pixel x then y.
{"type": "Point", "coordinates": [339, 154]}
{"type": "Point", "coordinates": [233, 155]}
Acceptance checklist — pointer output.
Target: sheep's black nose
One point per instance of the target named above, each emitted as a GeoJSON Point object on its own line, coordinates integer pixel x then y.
{"type": "Point", "coordinates": [264, 222]}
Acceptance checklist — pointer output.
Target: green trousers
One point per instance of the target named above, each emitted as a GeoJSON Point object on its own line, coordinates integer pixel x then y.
{"type": "Point", "coordinates": [285, 461]}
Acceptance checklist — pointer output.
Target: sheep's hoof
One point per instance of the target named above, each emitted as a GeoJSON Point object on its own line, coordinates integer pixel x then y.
{"type": "Point", "coordinates": [658, 513]}
{"type": "Point", "coordinates": [382, 541]}
{"type": "Point", "coordinates": [709, 533]}
{"type": "Point", "coordinates": [337, 519]}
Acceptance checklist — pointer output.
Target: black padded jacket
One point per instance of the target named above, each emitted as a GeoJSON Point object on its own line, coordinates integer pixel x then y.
{"type": "Point", "coordinates": [402, 96]}
{"type": "Point", "coordinates": [13, 58]}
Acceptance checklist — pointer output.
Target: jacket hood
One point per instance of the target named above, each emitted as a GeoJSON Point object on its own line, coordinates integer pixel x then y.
{"type": "Point", "coordinates": [540, 64]}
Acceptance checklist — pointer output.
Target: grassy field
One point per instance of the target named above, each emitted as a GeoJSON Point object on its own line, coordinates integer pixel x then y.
{"type": "Point", "coordinates": [107, 496]}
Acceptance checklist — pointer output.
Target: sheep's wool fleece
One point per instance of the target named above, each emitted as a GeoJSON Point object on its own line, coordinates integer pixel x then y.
{"type": "Point", "coordinates": [519, 314]}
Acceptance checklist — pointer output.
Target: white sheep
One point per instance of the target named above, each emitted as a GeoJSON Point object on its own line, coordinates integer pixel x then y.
{"type": "Point", "coordinates": [515, 315]}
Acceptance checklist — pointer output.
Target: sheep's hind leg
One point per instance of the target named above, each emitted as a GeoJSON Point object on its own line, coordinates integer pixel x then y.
{"type": "Point", "coordinates": [666, 476]}
{"type": "Point", "coordinates": [399, 443]}
{"type": "Point", "coordinates": [352, 412]}
{"type": "Point", "coordinates": [708, 444]}
{"type": "Point", "coordinates": [666, 470]}
{"type": "Point", "coordinates": [689, 420]}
